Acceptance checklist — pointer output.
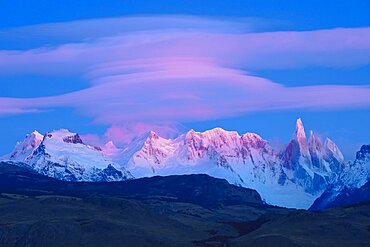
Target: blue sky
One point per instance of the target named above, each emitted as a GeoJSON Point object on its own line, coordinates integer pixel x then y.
{"type": "Point", "coordinates": [303, 15]}
{"type": "Point", "coordinates": [29, 74]}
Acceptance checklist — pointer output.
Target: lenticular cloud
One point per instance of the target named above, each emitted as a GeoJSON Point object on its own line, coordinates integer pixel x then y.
{"type": "Point", "coordinates": [180, 68]}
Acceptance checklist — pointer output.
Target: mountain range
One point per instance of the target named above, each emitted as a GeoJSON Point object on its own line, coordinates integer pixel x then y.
{"type": "Point", "coordinates": [293, 177]}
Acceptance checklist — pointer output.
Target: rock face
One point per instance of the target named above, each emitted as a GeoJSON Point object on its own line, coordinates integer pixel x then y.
{"type": "Point", "coordinates": [353, 185]}
{"type": "Point", "coordinates": [62, 155]}
{"type": "Point", "coordinates": [314, 165]}
{"type": "Point", "coordinates": [293, 177]}
{"type": "Point", "coordinates": [359, 172]}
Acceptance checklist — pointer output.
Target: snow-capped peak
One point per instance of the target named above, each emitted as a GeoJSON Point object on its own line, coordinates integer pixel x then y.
{"type": "Point", "coordinates": [36, 134]}
{"type": "Point", "coordinates": [333, 150]}
{"type": "Point", "coordinates": [110, 146]}
{"type": "Point", "coordinates": [297, 154]}
{"type": "Point", "coordinates": [300, 137]}
{"type": "Point", "coordinates": [219, 131]}
{"type": "Point", "coordinates": [253, 140]}
{"type": "Point", "coordinates": [364, 153]}
{"type": "Point", "coordinates": [314, 141]}
{"type": "Point", "coordinates": [317, 151]}
{"type": "Point", "coordinates": [300, 128]}
{"type": "Point", "coordinates": [153, 136]}
{"type": "Point", "coordinates": [63, 144]}
{"type": "Point", "coordinates": [111, 150]}
{"type": "Point", "coordinates": [25, 148]}
{"type": "Point", "coordinates": [65, 136]}
{"type": "Point", "coordinates": [358, 173]}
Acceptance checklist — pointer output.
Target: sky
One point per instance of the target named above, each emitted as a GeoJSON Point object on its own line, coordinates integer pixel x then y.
{"type": "Point", "coordinates": [113, 70]}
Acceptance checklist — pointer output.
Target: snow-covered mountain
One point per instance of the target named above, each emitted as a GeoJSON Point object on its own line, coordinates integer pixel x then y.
{"type": "Point", "coordinates": [354, 178]}
{"type": "Point", "coordinates": [294, 177]}
{"type": "Point", "coordinates": [62, 155]}
{"type": "Point", "coordinates": [358, 173]}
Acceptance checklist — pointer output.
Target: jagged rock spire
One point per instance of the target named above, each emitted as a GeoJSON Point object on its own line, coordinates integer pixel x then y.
{"type": "Point", "coordinates": [300, 137]}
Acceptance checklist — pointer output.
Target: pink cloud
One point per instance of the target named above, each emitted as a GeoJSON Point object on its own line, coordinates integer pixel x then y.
{"type": "Point", "coordinates": [92, 139]}
{"type": "Point", "coordinates": [118, 101]}
{"type": "Point", "coordinates": [187, 71]}
{"type": "Point", "coordinates": [333, 48]}
{"type": "Point", "coordinates": [124, 134]}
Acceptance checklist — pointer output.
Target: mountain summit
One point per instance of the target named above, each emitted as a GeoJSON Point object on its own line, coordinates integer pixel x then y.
{"type": "Point", "coordinates": [25, 148]}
